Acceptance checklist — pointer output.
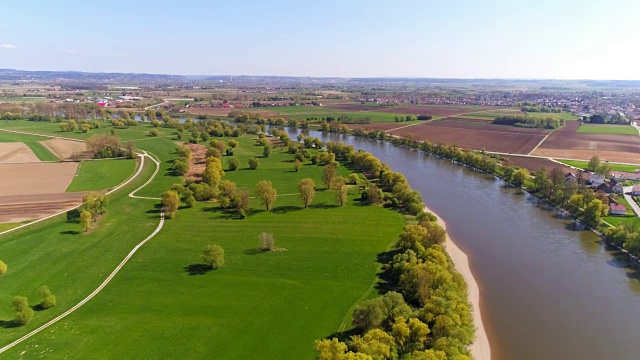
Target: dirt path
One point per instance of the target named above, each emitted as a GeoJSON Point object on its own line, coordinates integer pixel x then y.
{"type": "Point", "coordinates": [480, 349]}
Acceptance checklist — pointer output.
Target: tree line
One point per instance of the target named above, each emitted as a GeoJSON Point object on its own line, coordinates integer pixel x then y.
{"type": "Point", "coordinates": [529, 121]}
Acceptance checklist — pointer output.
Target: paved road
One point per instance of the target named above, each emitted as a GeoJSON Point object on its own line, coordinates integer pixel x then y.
{"type": "Point", "coordinates": [627, 196]}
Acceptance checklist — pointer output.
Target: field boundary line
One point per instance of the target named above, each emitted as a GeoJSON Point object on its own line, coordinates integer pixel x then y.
{"type": "Point", "coordinates": [90, 296]}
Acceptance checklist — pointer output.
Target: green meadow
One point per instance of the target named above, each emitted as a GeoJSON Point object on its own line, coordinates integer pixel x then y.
{"type": "Point", "coordinates": [608, 129]}
{"type": "Point", "coordinates": [164, 303]}
{"type": "Point", "coordinates": [101, 174]}
{"type": "Point", "coordinates": [616, 167]}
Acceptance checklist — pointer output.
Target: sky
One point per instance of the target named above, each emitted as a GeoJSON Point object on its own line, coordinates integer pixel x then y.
{"type": "Point", "coordinates": [562, 39]}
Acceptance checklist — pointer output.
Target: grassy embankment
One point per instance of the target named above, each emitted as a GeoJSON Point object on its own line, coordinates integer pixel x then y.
{"type": "Point", "coordinates": [33, 142]}
{"type": "Point", "coordinates": [101, 174]}
{"type": "Point", "coordinates": [260, 305]}
{"type": "Point", "coordinates": [608, 129]}
{"type": "Point", "coordinates": [616, 167]}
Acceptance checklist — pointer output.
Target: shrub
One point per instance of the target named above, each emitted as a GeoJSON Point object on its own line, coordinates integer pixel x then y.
{"type": "Point", "coordinates": [254, 163]}
{"type": "Point", "coordinates": [48, 299]}
{"type": "Point", "coordinates": [234, 164]}
{"type": "Point", "coordinates": [233, 143]}
{"type": "Point", "coordinates": [3, 267]}
{"type": "Point", "coordinates": [24, 313]}
{"type": "Point", "coordinates": [154, 132]}
{"type": "Point", "coordinates": [213, 255]}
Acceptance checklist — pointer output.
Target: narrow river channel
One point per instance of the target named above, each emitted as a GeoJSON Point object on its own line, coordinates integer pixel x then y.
{"type": "Point", "coordinates": [547, 291]}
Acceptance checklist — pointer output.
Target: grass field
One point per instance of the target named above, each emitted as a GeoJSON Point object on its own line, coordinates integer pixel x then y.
{"type": "Point", "coordinates": [608, 129]}
{"type": "Point", "coordinates": [616, 167]}
{"type": "Point", "coordinates": [33, 142]}
{"type": "Point", "coordinates": [260, 305]}
{"type": "Point", "coordinates": [304, 112]}
{"type": "Point", "coordinates": [101, 174]}
{"type": "Point", "coordinates": [52, 128]}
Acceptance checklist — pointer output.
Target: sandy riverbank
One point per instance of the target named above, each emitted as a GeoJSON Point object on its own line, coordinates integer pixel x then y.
{"type": "Point", "coordinates": [480, 348]}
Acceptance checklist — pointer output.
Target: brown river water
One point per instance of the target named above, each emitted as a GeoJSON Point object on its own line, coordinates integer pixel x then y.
{"type": "Point", "coordinates": [547, 291]}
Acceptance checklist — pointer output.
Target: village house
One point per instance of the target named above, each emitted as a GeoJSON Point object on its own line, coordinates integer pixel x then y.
{"type": "Point", "coordinates": [617, 209]}
{"type": "Point", "coordinates": [595, 179]}
{"type": "Point", "coordinates": [605, 188]}
{"type": "Point", "coordinates": [616, 187]}
{"type": "Point", "coordinates": [635, 191]}
{"type": "Point", "coordinates": [569, 176]}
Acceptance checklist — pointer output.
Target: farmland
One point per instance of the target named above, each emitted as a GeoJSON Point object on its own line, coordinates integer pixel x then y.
{"type": "Point", "coordinates": [498, 138]}
{"type": "Point", "coordinates": [304, 292]}
{"type": "Point", "coordinates": [607, 129]}
{"type": "Point", "coordinates": [535, 164]}
{"type": "Point", "coordinates": [33, 142]}
{"type": "Point", "coordinates": [568, 143]}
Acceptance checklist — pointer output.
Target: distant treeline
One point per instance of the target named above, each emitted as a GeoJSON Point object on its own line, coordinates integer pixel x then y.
{"type": "Point", "coordinates": [529, 122]}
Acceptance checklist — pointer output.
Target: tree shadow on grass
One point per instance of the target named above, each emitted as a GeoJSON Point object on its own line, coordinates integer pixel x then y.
{"type": "Point", "coordinates": [38, 307]}
{"type": "Point", "coordinates": [386, 281]}
{"type": "Point", "coordinates": [70, 232]}
{"type": "Point", "coordinates": [254, 251]}
{"type": "Point", "coordinates": [197, 269]}
{"type": "Point", "coordinates": [285, 209]}
{"type": "Point", "coordinates": [7, 324]}
{"type": "Point", "coordinates": [344, 335]}
{"type": "Point", "coordinates": [324, 206]}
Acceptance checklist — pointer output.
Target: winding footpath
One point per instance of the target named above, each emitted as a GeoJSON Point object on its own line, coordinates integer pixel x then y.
{"type": "Point", "coordinates": [142, 156]}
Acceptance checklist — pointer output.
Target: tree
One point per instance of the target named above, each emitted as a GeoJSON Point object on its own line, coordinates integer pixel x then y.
{"type": "Point", "coordinates": [234, 164]}
{"type": "Point", "coordinates": [212, 151]}
{"type": "Point", "coordinates": [267, 193]}
{"type": "Point", "coordinates": [604, 169]}
{"type": "Point", "coordinates": [233, 143]}
{"type": "Point", "coordinates": [180, 167]}
{"type": "Point", "coordinates": [307, 191]}
{"type": "Point", "coordinates": [593, 212]}
{"type": "Point", "coordinates": [520, 176]}
{"type": "Point", "coordinates": [266, 152]}
{"type": "Point", "coordinates": [227, 190]}
{"type": "Point", "coordinates": [154, 132]}
{"type": "Point", "coordinates": [508, 172]}
{"type": "Point", "coordinates": [267, 241]}
{"type": "Point", "coordinates": [213, 255]}
{"type": "Point", "coordinates": [375, 343]}
{"type": "Point", "coordinates": [342, 191]}
{"type": "Point", "coordinates": [296, 165]}
{"type": "Point", "coordinates": [594, 163]}
{"type": "Point", "coordinates": [48, 299]}
{"type": "Point", "coordinates": [329, 172]}
{"type": "Point", "coordinates": [354, 179]}
{"type": "Point", "coordinates": [241, 203]}
{"type": "Point", "coordinates": [170, 202]}
{"type": "Point", "coordinates": [3, 267]}
{"type": "Point", "coordinates": [85, 220]}
{"type": "Point", "coordinates": [24, 313]}
{"type": "Point", "coordinates": [254, 163]}
{"type": "Point", "coordinates": [336, 350]}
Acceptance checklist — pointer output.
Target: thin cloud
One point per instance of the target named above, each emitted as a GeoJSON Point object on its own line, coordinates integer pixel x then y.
{"type": "Point", "coordinates": [72, 52]}
{"type": "Point", "coordinates": [7, 46]}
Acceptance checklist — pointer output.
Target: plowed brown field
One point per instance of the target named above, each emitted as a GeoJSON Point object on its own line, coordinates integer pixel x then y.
{"type": "Point", "coordinates": [17, 208]}
{"type": "Point", "coordinates": [498, 138]}
{"type": "Point", "coordinates": [16, 152]}
{"type": "Point", "coordinates": [535, 164]}
{"type": "Point", "coordinates": [36, 178]}
{"type": "Point", "coordinates": [568, 143]}
{"type": "Point", "coordinates": [65, 149]}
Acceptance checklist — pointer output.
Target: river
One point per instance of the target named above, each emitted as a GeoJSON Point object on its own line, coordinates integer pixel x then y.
{"type": "Point", "coordinates": [547, 291]}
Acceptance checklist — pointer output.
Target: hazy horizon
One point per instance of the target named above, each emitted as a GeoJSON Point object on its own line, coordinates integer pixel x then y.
{"type": "Point", "coordinates": [519, 40]}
